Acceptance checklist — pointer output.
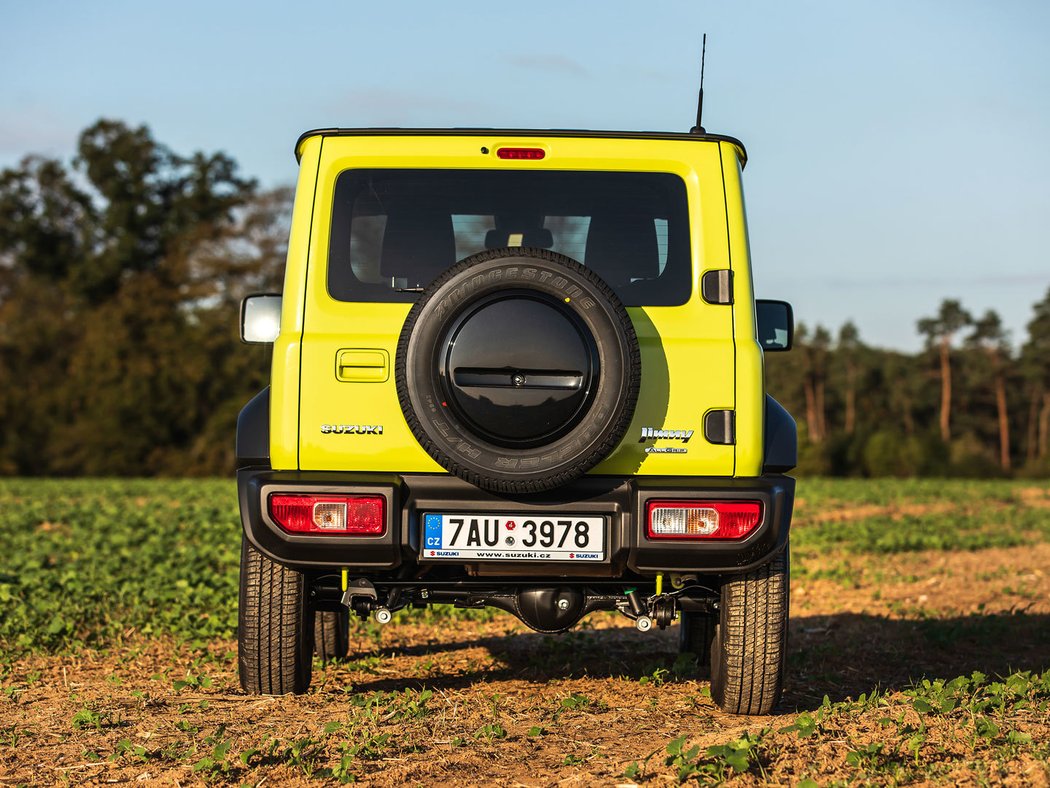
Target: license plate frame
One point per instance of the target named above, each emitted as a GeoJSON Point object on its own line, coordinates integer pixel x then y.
{"type": "Point", "coordinates": [483, 536]}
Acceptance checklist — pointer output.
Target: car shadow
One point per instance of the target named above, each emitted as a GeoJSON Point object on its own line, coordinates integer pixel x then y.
{"type": "Point", "coordinates": [846, 654]}
{"type": "Point", "coordinates": [840, 656]}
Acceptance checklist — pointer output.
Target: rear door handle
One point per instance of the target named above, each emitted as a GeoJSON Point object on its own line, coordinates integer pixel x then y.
{"type": "Point", "coordinates": [362, 365]}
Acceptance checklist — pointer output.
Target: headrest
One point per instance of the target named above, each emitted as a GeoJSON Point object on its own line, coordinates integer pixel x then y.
{"type": "Point", "coordinates": [622, 247]}
{"type": "Point", "coordinates": [524, 229]}
{"type": "Point", "coordinates": [417, 246]}
{"type": "Point", "coordinates": [540, 238]}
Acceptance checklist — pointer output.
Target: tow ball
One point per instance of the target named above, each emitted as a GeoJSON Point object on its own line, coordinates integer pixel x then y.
{"type": "Point", "coordinates": [360, 596]}
{"type": "Point", "coordinates": [659, 609]}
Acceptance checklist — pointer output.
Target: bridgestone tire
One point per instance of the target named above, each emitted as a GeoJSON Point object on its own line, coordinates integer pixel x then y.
{"type": "Point", "coordinates": [695, 633]}
{"type": "Point", "coordinates": [576, 295]}
{"type": "Point", "coordinates": [750, 643]}
{"type": "Point", "coordinates": [274, 628]}
{"type": "Point", "coordinates": [331, 634]}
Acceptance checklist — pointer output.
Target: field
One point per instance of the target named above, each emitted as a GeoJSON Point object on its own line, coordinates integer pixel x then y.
{"type": "Point", "coordinates": [919, 653]}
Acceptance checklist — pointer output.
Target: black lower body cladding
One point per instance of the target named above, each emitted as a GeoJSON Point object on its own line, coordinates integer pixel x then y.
{"type": "Point", "coordinates": [620, 500]}
{"type": "Point", "coordinates": [518, 370]}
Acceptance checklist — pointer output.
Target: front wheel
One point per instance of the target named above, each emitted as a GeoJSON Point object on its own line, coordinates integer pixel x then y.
{"type": "Point", "coordinates": [750, 642]}
{"type": "Point", "coordinates": [274, 627]}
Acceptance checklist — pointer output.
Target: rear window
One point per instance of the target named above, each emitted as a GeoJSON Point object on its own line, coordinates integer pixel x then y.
{"type": "Point", "coordinates": [395, 231]}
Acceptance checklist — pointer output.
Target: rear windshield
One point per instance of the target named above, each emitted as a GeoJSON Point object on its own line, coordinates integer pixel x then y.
{"type": "Point", "coordinates": [395, 231]}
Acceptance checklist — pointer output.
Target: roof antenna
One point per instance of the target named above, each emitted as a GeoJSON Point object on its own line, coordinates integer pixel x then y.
{"type": "Point", "coordinates": [699, 128]}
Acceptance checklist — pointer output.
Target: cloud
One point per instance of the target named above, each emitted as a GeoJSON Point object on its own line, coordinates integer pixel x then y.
{"type": "Point", "coordinates": [558, 64]}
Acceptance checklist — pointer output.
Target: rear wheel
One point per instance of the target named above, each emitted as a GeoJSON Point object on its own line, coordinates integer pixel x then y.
{"type": "Point", "coordinates": [331, 634]}
{"type": "Point", "coordinates": [274, 627]}
{"type": "Point", "coordinates": [750, 642]}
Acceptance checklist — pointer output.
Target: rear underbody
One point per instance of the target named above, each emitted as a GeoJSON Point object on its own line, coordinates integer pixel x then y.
{"type": "Point", "coordinates": [648, 579]}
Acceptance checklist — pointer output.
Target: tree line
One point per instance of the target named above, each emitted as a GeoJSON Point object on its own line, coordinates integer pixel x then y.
{"type": "Point", "coordinates": [966, 405]}
{"type": "Point", "coordinates": [121, 273]}
{"type": "Point", "coordinates": [120, 278]}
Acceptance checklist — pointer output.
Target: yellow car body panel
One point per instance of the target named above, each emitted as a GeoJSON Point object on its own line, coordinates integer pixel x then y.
{"type": "Point", "coordinates": [695, 357]}
{"type": "Point", "coordinates": [284, 376]}
{"type": "Point", "coordinates": [750, 376]}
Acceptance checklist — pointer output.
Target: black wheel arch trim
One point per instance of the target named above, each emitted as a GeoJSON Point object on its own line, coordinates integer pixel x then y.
{"type": "Point", "coordinates": [781, 439]}
{"type": "Point", "coordinates": [252, 447]}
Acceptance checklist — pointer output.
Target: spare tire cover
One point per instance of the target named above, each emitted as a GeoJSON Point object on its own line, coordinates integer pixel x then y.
{"type": "Point", "coordinates": [518, 370]}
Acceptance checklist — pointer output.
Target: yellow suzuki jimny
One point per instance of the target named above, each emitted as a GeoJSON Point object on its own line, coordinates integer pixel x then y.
{"type": "Point", "coordinates": [521, 369]}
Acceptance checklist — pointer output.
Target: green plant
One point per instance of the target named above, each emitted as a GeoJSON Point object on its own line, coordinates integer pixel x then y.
{"type": "Point", "coordinates": [86, 718]}
{"type": "Point", "coordinates": [215, 763]}
{"type": "Point", "coordinates": [491, 731]}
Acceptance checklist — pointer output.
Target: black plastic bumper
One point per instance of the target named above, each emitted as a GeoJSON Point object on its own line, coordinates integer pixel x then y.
{"type": "Point", "coordinates": [620, 500]}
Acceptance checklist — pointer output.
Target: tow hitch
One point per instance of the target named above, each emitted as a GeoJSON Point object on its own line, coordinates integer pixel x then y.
{"type": "Point", "coordinates": [544, 608]}
{"type": "Point", "coordinates": [361, 597]}
{"type": "Point", "coordinates": [659, 609]}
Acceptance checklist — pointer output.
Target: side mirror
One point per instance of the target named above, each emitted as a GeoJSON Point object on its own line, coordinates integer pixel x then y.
{"type": "Point", "coordinates": [776, 325]}
{"type": "Point", "coordinates": [260, 318]}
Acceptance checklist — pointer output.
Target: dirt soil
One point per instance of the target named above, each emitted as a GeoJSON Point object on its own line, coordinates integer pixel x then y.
{"type": "Point", "coordinates": [511, 707]}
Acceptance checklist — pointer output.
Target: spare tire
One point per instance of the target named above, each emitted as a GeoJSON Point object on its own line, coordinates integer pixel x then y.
{"type": "Point", "coordinates": [518, 370]}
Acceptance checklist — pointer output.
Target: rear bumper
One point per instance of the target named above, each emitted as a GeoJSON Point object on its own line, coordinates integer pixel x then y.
{"type": "Point", "coordinates": [621, 501]}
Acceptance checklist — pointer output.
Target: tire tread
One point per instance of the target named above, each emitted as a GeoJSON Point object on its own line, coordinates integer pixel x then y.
{"type": "Point", "coordinates": [274, 627]}
{"type": "Point", "coordinates": [750, 645]}
{"type": "Point", "coordinates": [331, 634]}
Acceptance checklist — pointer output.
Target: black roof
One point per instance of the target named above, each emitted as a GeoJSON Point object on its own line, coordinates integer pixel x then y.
{"type": "Point", "coordinates": [485, 132]}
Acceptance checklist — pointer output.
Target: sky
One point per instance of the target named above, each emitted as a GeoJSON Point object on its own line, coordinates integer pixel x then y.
{"type": "Point", "coordinates": [899, 151]}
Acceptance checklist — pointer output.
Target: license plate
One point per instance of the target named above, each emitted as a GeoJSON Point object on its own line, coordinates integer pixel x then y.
{"type": "Point", "coordinates": [513, 537]}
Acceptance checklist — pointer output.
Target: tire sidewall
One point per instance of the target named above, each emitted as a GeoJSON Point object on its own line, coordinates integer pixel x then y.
{"type": "Point", "coordinates": [579, 291]}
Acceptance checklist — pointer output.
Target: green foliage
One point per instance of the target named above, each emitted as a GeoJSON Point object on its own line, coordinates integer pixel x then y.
{"type": "Point", "coordinates": [943, 531]}
{"type": "Point", "coordinates": [872, 409]}
{"type": "Point", "coordinates": [574, 702]}
{"type": "Point", "coordinates": [978, 709]}
{"type": "Point", "coordinates": [216, 763]}
{"type": "Point", "coordinates": [962, 515]}
{"type": "Point", "coordinates": [950, 319]}
{"type": "Point", "coordinates": [718, 762]}
{"type": "Point", "coordinates": [86, 718]}
{"type": "Point", "coordinates": [491, 731]}
{"type": "Point", "coordinates": [119, 280]}
{"type": "Point", "coordinates": [394, 706]}
{"type": "Point", "coordinates": [120, 274]}
{"type": "Point", "coordinates": [88, 561]}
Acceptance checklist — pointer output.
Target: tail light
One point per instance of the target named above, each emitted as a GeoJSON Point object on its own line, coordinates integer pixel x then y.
{"type": "Point", "coordinates": [362, 515]}
{"type": "Point", "coordinates": [702, 519]}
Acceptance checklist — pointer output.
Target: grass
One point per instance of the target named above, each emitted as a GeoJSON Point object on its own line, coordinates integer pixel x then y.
{"type": "Point", "coordinates": [92, 562]}
{"type": "Point", "coordinates": [116, 565]}
{"type": "Point", "coordinates": [904, 737]}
